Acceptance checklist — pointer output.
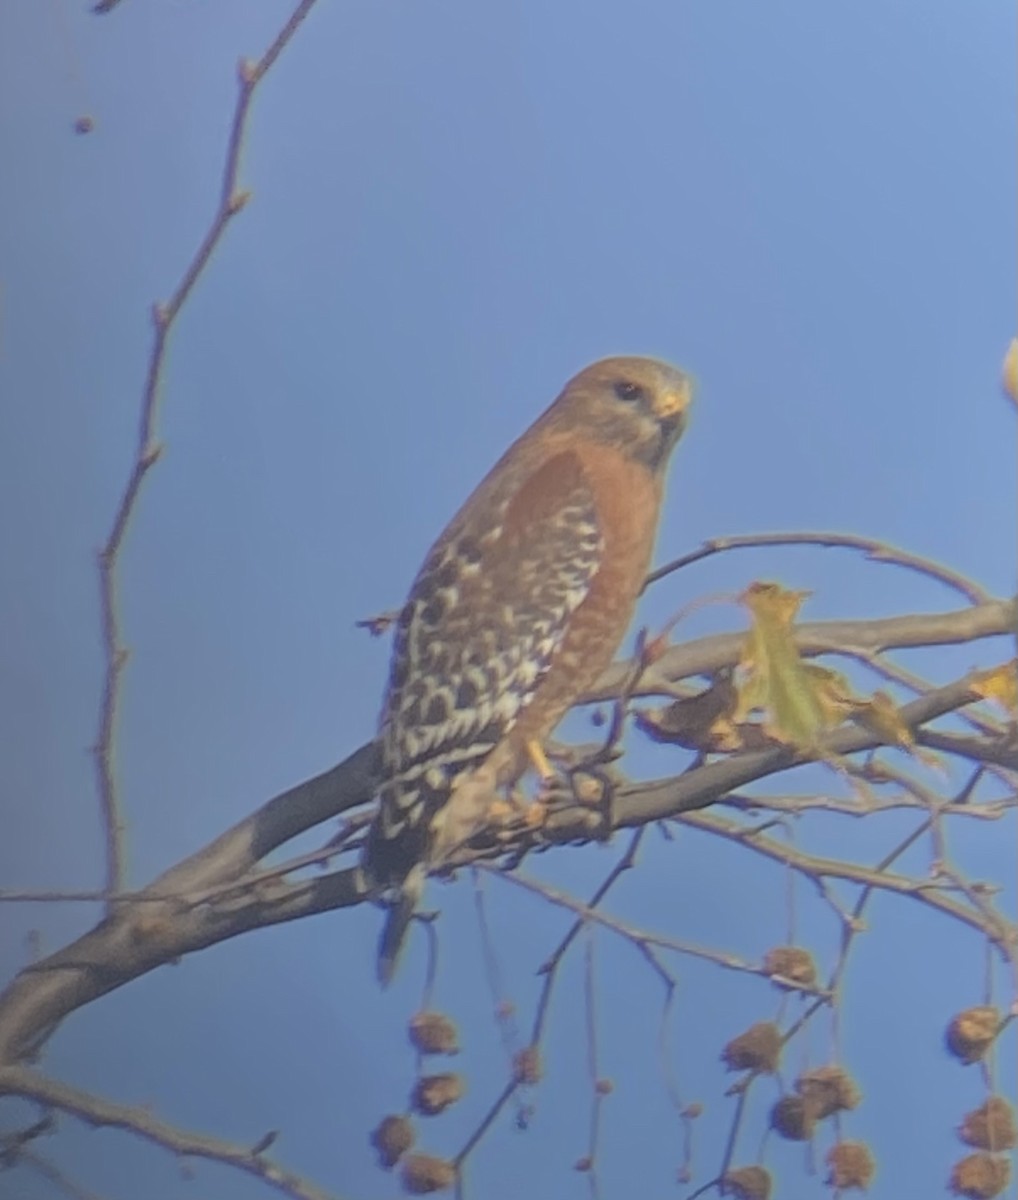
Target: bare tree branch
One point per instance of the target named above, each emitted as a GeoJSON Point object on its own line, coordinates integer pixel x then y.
{"type": "Point", "coordinates": [222, 891]}
{"type": "Point", "coordinates": [96, 1111]}
{"type": "Point", "coordinates": [861, 638]}
{"type": "Point", "coordinates": [148, 449]}
{"type": "Point", "coordinates": [141, 937]}
{"type": "Point", "coordinates": [1003, 933]}
{"type": "Point", "coordinates": [873, 549]}
{"type": "Point", "coordinates": [638, 937]}
{"type": "Point", "coordinates": [52, 1174]}
{"type": "Point", "coordinates": [639, 803]}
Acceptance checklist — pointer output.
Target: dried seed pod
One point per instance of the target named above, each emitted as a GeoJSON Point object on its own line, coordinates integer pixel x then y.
{"type": "Point", "coordinates": [527, 1065]}
{"type": "Point", "coordinates": [980, 1176]}
{"type": "Point", "coordinates": [792, 963]}
{"type": "Point", "coordinates": [583, 1164]}
{"type": "Point", "coordinates": [793, 1118]}
{"type": "Point", "coordinates": [828, 1090]}
{"type": "Point", "coordinates": [604, 1087]}
{"type": "Point", "coordinates": [748, 1183]}
{"type": "Point", "coordinates": [758, 1049]}
{"type": "Point", "coordinates": [991, 1126]}
{"type": "Point", "coordinates": [434, 1033]}
{"type": "Point", "coordinates": [971, 1032]}
{"type": "Point", "coordinates": [433, 1094]}
{"type": "Point", "coordinates": [423, 1174]}
{"type": "Point", "coordinates": [851, 1166]}
{"type": "Point", "coordinates": [392, 1139]}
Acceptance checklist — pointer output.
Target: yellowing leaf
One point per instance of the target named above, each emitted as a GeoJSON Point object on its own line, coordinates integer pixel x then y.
{"type": "Point", "coordinates": [802, 701]}
{"type": "Point", "coordinates": [833, 693]}
{"type": "Point", "coordinates": [1000, 684]}
{"type": "Point", "coordinates": [791, 694]}
{"type": "Point", "coordinates": [1009, 374]}
{"type": "Point", "coordinates": [701, 722]}
{"type": "Point", "coordinates": [882, 716]}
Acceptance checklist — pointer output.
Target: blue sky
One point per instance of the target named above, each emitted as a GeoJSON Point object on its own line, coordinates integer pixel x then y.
{"type": "Point", "coordinates": [810, 207]}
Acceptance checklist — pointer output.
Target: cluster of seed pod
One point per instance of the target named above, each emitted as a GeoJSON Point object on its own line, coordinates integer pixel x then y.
{"type": "Point", "coordinates": [818, 1094]}
{"type": "Point", "coordinates": [990, 1128]}
{"type": "Point", "coordinates": [430, 1033]}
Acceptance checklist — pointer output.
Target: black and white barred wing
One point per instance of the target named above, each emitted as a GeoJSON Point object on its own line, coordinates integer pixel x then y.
{"type": "Point", "coordinates": [484, 618]}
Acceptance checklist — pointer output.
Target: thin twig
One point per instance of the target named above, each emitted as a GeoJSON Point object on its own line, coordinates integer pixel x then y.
{"type": "Point", "coordinates": [872, 548]}
{"type": "Point", "coordinates": [597, 1088]}
{"type": "Point", "coordinates": [503, 1099]}
{"type": "Point", "coordinates": [61, 1181]}
{"type": "Point", "coordinates": [147, 451]}
{"type": "Point", "coordinates": [98, 1112]}
{"type": "Point", "coordinates": [861, 638]}
{"type": "Point", "coordinates": [641, 938]}
{"type": "Point", "coordinates": [999, 930]}
{"type": "Point", "coordinates": [549, 968]}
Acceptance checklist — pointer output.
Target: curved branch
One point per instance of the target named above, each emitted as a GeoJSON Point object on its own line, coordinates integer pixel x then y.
{"type": "Point", "coordinates": [872, 548]}
{"type": "Point", "coordinates": [98, 1112]}
{"type": "Point", "coordinates": [997, 752]}
{"type": "Point", "coordinates": [148, 449]}
{"type": "Point", "coordinates": [993, 925]}
{"type": "Point", "coordinates": [138, 938]}
{"type": "Point", "coordinates": [864, 638]}
{"type": "Point", "coordinates": [653, 801]}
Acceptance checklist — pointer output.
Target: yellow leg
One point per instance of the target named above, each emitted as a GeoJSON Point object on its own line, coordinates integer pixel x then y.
{"type": "Point", "coordinates": [539, 761]}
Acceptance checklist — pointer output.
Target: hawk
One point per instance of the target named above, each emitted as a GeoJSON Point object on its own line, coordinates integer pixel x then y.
{"type": "Point", "coordinates": [517, 609]}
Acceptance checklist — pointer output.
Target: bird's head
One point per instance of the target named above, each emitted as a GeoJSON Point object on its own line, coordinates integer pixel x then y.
{"type": "Point", "coordinates": [640, 405]}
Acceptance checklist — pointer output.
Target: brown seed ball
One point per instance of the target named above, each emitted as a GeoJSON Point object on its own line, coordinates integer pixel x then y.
{"type": "Point", "coordinates": [793, 1118]}
{"type": "Point", "coordinates": [604, 1087]}
{"type": "Point", "coordinates": [971, 1032]}
{"type": "Point", "coordinates": [793, 963]}
{"type": "Point", "coordinates": [434, 1033]}
{"type": "Point", "coordinates": [84, 124]}
{"type": "Point", "coordinates": [423, 1173]}
{"type": "Point", "coordinates": [393, 1137]}
{"type": "Point", "coordinates": [991, 1126]}
{"type": "Point", "coordinates": [433, 1094]}
{"type": "Point", "coordinates": [828, 1090]}
{"type": "Point", "coordinates": [748, 1183]}
{"type": "Point", "coordinates": [583, 1164]}
{"type": "Point", "coordinates": [527, 1065]}
{"type": "Point", "coordinates": [758, 1049]}
{"type": "Point", "coordinates": [851, 1166]}
{"type": "Point", "coordinates": [980, 1177]}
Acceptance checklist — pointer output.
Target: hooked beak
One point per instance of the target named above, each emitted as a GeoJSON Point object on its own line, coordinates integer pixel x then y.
{"type": "Point", "coordinates": [671, 404]}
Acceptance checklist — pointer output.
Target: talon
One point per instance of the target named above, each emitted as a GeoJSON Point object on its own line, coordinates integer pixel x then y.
{"type": "Point", "coordinates": [502, 812]}
{"type": "Point", "coordinates": [539, 761]}
{"type": "Point", "coordinates": [535, 815]}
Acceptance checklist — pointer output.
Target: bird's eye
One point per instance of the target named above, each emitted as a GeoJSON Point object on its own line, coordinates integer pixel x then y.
{"type": "Point", "coordinates": [630, 392]}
